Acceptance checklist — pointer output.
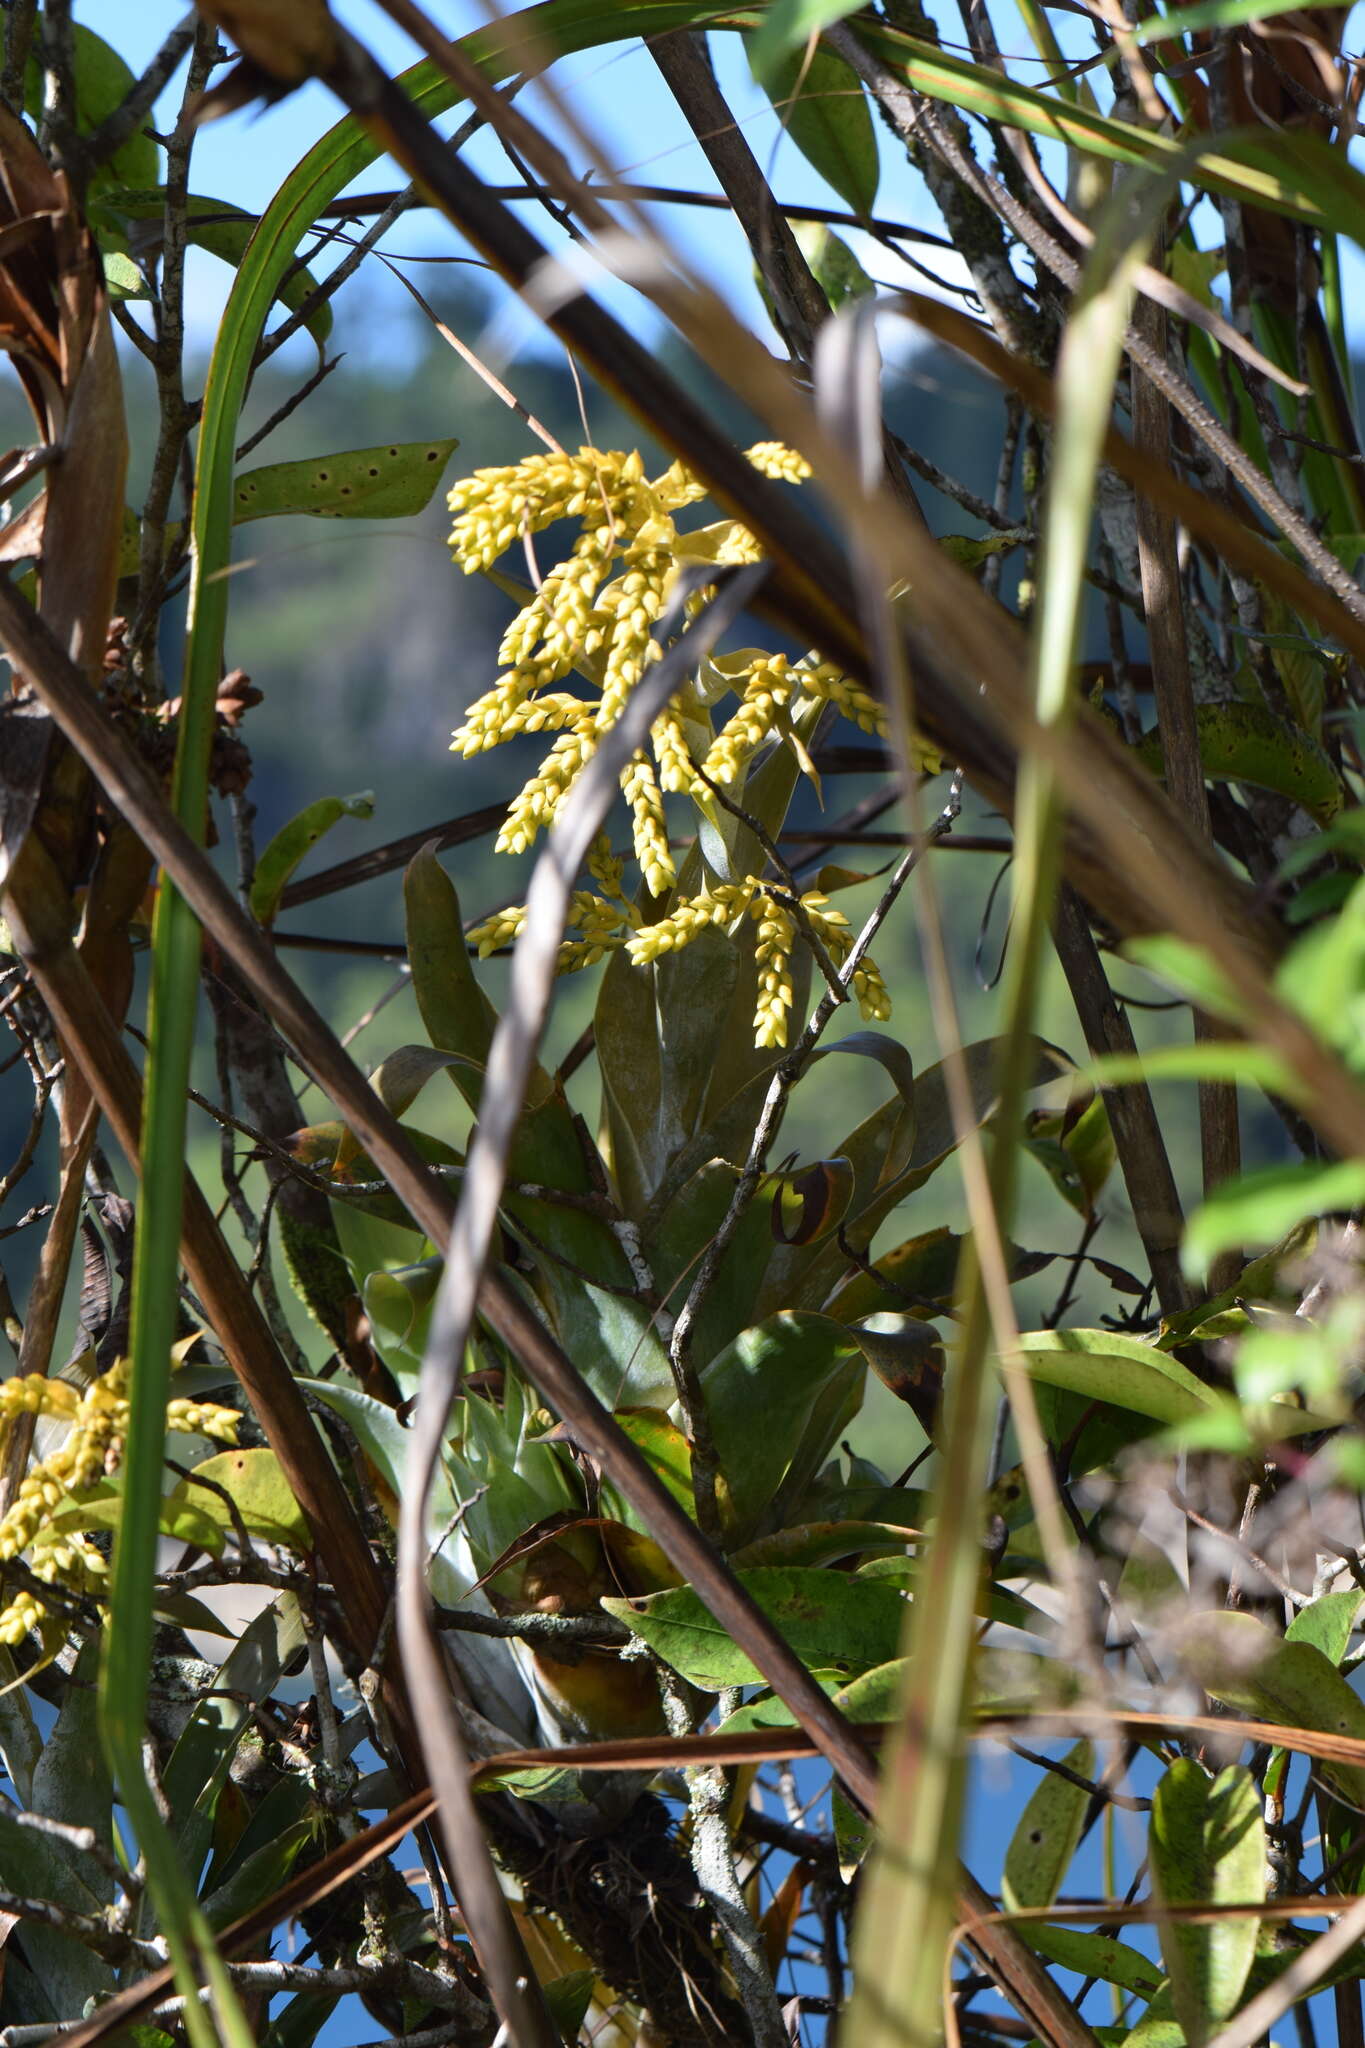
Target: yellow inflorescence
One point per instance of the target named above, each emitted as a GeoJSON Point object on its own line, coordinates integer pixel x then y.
{"type": "Point", "coordinates": [594, 614]}
{"type": "Point", "coordinates": [97, 1422]}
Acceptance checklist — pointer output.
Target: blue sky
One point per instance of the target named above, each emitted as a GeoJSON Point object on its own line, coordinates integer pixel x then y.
{"type": "Point", "coordinates": [246, 157]}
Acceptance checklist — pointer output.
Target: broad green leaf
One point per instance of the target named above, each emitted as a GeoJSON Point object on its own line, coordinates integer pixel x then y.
{"type": "Point", "coordinates": [568, 1998]}
{"type": "Point", "coordinates": [907, 1356]}
{"type": "Point", "coordinates": [664, 1449]}
{"type": "Point", "coordinates": [293, 842]}
{"type": "Point", "coordinates": [759, 1396]}
{"type": "Point", "coordinates": [398, 1303]}
{"type": "Point", "coordinates": [101, 1507]}
{"type": "Point", "coordinates": [214, 225]}
{"type": "Point", "coordinates": [1187, 970]}
{"type": "Point", "coordinates": [922, 1270]}
{"type": "Point", "coordinates": [893, 1055]}
{"type": "Point", "coordinates": [971, 550]}
{"type": "Point", "coordinates": [824, 1543]}
{"type": "Point", "coordinates": [1105, 1366]}
{"type": "Point", "coordinates": [688, 1222]}
{"type": "Point", "coordinates": [401, 1076]}
{"type": "Point", "coordinates": [840, 276]}
{"type": "Point", "coordinates": [1241, 1662]}
{"type": "Point", "coordinates": [820, 102]}
{"type": "Point", "coordinates": [395, 482]}
{"type": "Point", "coordinates": [1327, 1623]}
{"type": "Point", "coordinates": [837, 1626]}
{"type": "Point", "coordinates": [1046, 1834]}
{"type": "Point", "coordinates": [796, 1280]}
{"type": "Point", "coordinates": [853, 1832]}
{"type": "Point", "coordinates": [1246, 743]}
{"type": "Point", "coordinates": [1206, 1059]}
{"type": "Point", "coordinates": [1216, 14]}
{"type": "Point", "coordinates": [123, 279]}
{"type": "Point", "coordinates": [102, 82]}
{"type": "Point", "coordinates": [1206, 1842]}
{"type": "Point", "coordinates": [1075, 1147]}
{"type": "Point", "coordinates": [1257, 1282]}
{"type": "Point", "coordinates": [262, 1873]}
{"type": "Point", "coordinates": [203, 1753]}
{"type": "Point", "coordinates": [787, 23]}
{"type": "Point", "coordinates": [1095, 1955]}
{"type": "Point", "coordinates": [21, 1745]}
{"type": "Point", "coordinates": [70, 1783]}
{"type": "Point", "coordinates": [1260, 1208]}
{"type": "Point", "coordinates": [263, 1497]}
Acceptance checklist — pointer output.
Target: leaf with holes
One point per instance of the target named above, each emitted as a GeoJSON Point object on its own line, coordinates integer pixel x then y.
{"type": "Point", "coordinates": [1048, 1830]}
{"type": "Point", "coordinates": [395, 482]}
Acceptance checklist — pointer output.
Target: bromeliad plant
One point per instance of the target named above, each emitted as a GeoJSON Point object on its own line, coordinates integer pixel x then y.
{"type": "Point", "coordinates": [594, 614]}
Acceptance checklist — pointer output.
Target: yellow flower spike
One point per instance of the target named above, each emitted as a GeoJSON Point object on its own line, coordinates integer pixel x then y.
{"type": "Point", "coordinates": [605, 867]}
{"type": "Point", "coordinates": [776, 935]}
{"type": "Point", "coordinates": [677, 773]}
{"type": "Point", "coordinates": [501, 929]}
{"type": "Point", "coordinates": [596, 612]}
{"type": "Point", "coordinates": [782, 464]}
{"type": "Point", "coordinates": [650, 826]}
{"type": "Point", "coordinates": [542, 795]}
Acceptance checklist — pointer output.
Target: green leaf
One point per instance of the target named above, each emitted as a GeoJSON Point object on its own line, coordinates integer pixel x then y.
{"type": "Point", "coordinates": [1095, 1955]}
{"type": "Point", "coordinates": [1205, 1059]}
{"type": "Point", "coordinates": [924, 1268]}
{"type": "Point", "coordinates": [123, 279]}
{"type": "Point", "coordinates": [1187, 970]}
{"type": "Point", "coordinates": [1207, 1842]}
{"type": "Point", "coordinates": [664, 1449]}
{"type": "Point", "coordinates": [102, 83]}
{"type": "Point", "coordinates": [1207, 14]}
{"type": "Point", "coordinates": [788, 23]}
{"type": "Point", "coordinates": [263, 1497]}
{"type": "Point", "coordinates": [841, 278]}
{"type": "Point", "coordinates": [1241, 1662]}
{"type": "Point", "coordinates": [1075, 1147]}
{"type": "Point", "coordinates": [1048, 1830]}
{"type": "Point", "coordinates": [568, 1998]}
{"type": "Point", "coordinates": [837, 1626]}
{"type": "Point", "coordinates": [395, 482]}
{"type": "Point", "coordinates": [261, 1874]}
{"type": "Point", "coordinates": [819, 101]}
{"type": "Point", "coordinates": [1246, 743]}
{"type": "Point", "coordinates": [214, 225]}
{"type": "Point", "coordinates": [853, 1832]}
{"type": "Point", "coordinates": [971, 550]}
{"type": "Point", "coordinates": [398, 1302]}
{"type": "Point", "coordinates": [759, 1394]}
{"type": "Point", "coordinates": [71, 1784]}
{"type": "Point", "coordinates": [1260, 1208]}
{"type": "Point", "coordinates": [204, 1750]}
{"type": "Point", "coordinates": [907, 1356]}
{"type": "Point", "coordinates": [101, 1507]}
{"type": "Point", "coordinates": [292, 844]}
{"type": "Point", "coordinates": [1105, 1366]}
{"type": "Point", "coordinates": [824, 1543]}
{"type": "Point", "coordinates": [1327, 1623]}
{"type": "Point", "coordinates": [894, 1057]}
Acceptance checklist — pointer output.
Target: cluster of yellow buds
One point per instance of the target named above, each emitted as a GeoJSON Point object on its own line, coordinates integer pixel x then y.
{"type": "Point", "coordinates": [726, 905]}
{"type": "Point", "coordinates": [97, 1426]}
{"type": "Point", "coordinates": [593, 615]}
